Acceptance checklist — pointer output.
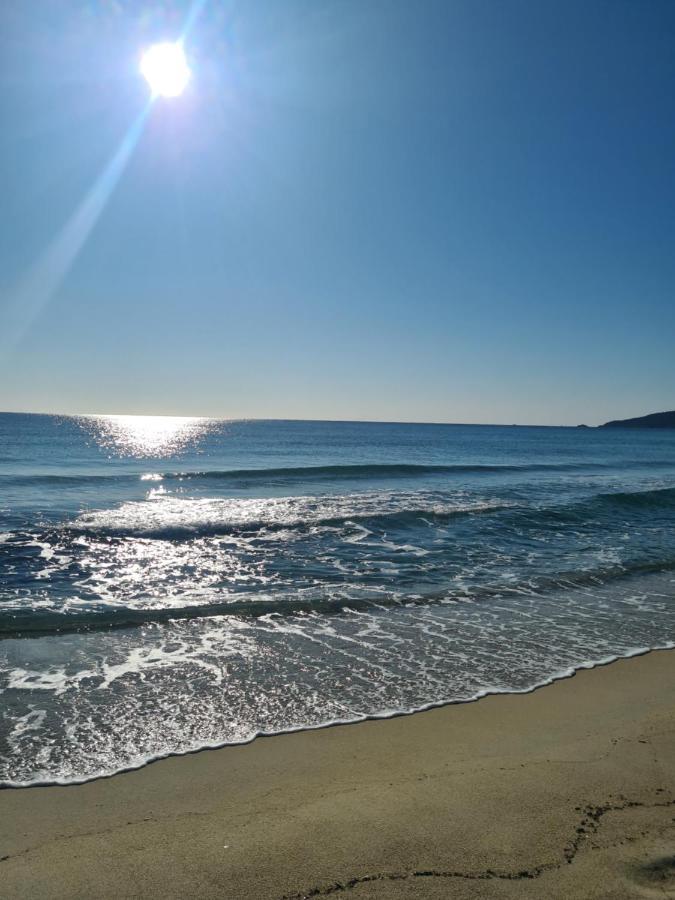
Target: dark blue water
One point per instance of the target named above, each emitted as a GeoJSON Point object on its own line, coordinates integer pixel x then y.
{"type": "Point", "coordinates": [168, 584]}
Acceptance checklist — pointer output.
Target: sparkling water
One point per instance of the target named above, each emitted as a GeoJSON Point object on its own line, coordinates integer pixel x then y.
{"type": "Point", "coordinates": [168, 584]}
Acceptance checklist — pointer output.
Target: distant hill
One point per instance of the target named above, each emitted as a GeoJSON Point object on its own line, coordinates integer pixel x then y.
{"type": "Point", "coordinates": [655, 420]}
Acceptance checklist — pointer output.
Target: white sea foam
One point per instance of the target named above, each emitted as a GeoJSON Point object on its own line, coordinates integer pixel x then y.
{"type": "Point", "coordinates": [170, 515]}
{"type": "Point", "coordinates": [170, 612]}
{"type": "Point", "coordinates": [140, 761]}
{"type": "Point", "coordinates": [181, 686]}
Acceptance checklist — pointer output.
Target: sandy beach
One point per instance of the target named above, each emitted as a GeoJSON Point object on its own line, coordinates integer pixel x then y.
{"type": "Point", "coordinates": [337, 450]}
{"type": "Point", "coordinates": [565, 792]}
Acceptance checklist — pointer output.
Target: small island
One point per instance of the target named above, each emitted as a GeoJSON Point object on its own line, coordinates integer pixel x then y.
{"type": "Point", "coordinates": [654, 420]}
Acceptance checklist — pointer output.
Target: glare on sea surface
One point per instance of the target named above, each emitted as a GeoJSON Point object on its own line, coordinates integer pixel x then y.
{"type": "Point", "coordinates": [165, 68]}
{"type": "Point", "coordinates": [142, 436]}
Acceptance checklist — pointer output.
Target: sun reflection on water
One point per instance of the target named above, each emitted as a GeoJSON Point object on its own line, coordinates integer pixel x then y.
{"type": "Point", "coordinates": [146, 436]}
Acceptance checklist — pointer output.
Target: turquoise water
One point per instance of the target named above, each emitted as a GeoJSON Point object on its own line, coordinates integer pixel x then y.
{"type": "Point", "coordinates": [169, 584]}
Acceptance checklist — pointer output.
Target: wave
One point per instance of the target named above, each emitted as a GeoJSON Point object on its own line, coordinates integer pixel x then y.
{"type": "Point", "coordinates": [561, 674]}
{"type": "Point", "coordinates": [594, 508]}
{"type": "Point", "coordinates": [50, 480]}
{"type": "Point", "coordinates": [586, 511]}
{"type": "Point", "coordinates": [41, 622]}
{"type": "Point", "coordinates": [320, 473]}
{"type": "Point", "coordinates": [655, 497]}
{"type": "Point", "coordinates": [179, 519]}
{"type": "Point", "coordinates": [374, 470]}
{"type": "Point", "coordinates": [171, 518]}
{"type": "Point", "coordinates": [190, 519]}
{"type": "Point", "coordinates": [185, 519]}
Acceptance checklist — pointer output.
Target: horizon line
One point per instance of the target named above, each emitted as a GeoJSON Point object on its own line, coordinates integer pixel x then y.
{"type": "Point", "coordinates": [221, 418]}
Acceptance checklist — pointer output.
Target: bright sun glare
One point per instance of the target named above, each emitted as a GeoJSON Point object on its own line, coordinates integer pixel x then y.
{"type": "Point", "coordinates": [166, 70]}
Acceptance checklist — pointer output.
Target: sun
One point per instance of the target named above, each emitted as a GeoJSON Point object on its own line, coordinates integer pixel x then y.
{"type": "Point", "coordinates": [165, 68]}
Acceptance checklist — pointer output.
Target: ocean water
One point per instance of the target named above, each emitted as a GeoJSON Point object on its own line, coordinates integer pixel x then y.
{"type": "Point", "coordinates": [171, 584]}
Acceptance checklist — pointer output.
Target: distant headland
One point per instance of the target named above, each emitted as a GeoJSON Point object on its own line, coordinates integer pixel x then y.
{"type": "Point", "coordinates": [654, 420]}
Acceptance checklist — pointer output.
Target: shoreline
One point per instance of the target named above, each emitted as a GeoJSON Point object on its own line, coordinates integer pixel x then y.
{"type": "Point", "coordinates": [563, 675]}
{"type": "Point", "coordinates": [565, 791]}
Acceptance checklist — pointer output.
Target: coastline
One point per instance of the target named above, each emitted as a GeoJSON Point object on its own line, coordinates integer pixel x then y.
{"type": "Point", "coordinates": [384, 716]}
{"type": "Point", "coordinates": [565, 791]}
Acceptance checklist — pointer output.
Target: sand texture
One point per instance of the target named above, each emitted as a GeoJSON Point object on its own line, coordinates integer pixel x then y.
{"type": "Point", "coordinates": [565, 792]}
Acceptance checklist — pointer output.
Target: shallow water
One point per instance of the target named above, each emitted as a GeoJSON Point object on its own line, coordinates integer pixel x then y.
{"type": "Point", "coordinates": [168, 584]}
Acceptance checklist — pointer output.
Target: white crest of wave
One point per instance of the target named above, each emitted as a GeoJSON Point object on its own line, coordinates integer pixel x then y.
{"type": "Point", "coordinates": [163, 512]}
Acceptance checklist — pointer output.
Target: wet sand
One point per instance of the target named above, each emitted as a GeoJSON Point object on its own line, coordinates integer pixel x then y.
{"type": "Point", "coordinates": [563, 793]}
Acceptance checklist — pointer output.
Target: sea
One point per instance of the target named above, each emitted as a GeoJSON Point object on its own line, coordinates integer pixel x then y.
{"type": "Point", "coordinates": [172, 584]}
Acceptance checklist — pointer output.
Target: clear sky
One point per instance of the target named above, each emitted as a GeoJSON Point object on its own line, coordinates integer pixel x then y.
{"type": "Point", "coordinates": [445, 210]}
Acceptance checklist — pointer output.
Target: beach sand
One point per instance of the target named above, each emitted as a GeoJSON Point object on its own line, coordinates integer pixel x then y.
{"type": "Point", "coordinates": [565, 792]}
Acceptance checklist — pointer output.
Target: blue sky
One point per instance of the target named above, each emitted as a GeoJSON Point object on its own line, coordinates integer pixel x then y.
{"type": "Point", "coordinates": [360, 209]}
